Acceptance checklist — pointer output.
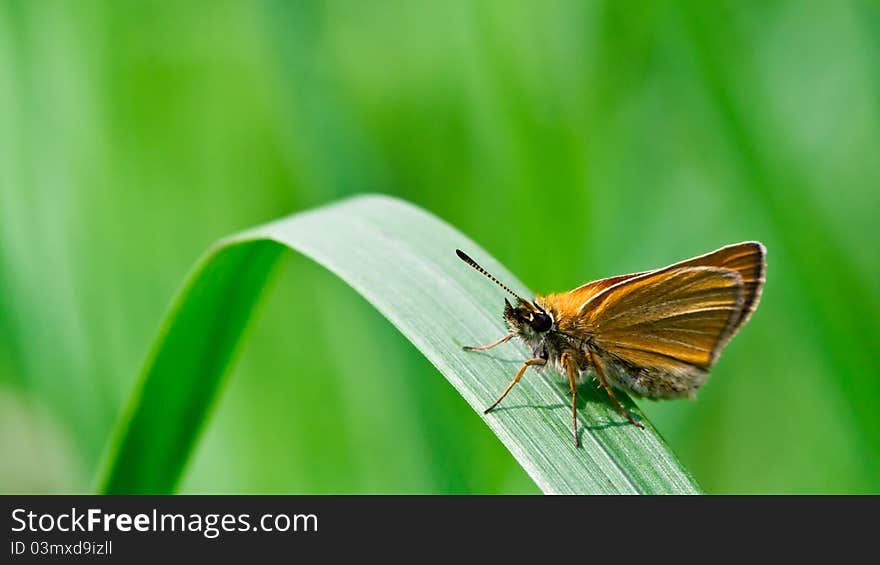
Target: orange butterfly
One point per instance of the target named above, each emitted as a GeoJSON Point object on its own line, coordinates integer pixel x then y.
{"type": "Point", "coordinates": [654, 334]}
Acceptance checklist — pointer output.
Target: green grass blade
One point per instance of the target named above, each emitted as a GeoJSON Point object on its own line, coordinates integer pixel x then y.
{"type": "Point", "coordinates": [402, 260]}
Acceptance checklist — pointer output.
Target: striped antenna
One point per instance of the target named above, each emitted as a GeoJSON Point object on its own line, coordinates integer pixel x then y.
{"type": "Point", "coordinates": [464, 257]}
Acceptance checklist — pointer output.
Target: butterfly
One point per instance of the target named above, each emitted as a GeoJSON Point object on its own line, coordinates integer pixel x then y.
{"type": "Point", "coordinates": [653, 334]}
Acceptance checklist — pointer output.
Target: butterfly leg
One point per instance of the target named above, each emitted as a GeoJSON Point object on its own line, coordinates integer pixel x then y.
{"type": "Point", "coordinates": [569, 367]}
{"type": "Point", "coordinates": [600, 371]}
{"type": "Point", "coordinates": [519, 374]}
{"type": "Point", "coordinates": [488, 345]}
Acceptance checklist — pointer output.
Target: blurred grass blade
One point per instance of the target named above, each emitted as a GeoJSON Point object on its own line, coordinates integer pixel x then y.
{"type": "Point", "coordinates": [402, 260]}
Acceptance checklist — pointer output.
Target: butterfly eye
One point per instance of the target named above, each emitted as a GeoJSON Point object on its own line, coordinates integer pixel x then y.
{"type": "Point", "coordinates": [541, 322]}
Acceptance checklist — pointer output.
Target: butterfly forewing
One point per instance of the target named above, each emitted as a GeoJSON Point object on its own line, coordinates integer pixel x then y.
{"type": "Point", "coordinates": [682, 313]}
{"type": "Point", "coordinates": [745, 258]}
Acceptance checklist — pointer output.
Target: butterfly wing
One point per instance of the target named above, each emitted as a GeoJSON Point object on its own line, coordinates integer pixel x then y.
{"type": "Point", "coordinates": [747, 259]}
{"type": "Point", "coordinates": [660, 332]}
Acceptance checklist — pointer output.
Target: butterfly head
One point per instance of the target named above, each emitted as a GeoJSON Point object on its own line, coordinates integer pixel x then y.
{"type": "Point", "coordinates": [527, 318]}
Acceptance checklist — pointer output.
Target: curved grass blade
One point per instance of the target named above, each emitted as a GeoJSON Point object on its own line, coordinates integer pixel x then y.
{"type": "Point", "coordinates": [403, 261]}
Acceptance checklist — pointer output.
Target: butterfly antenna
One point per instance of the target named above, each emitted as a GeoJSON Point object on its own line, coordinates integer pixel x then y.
{"type": "Point", "coordinates": [464, 257]}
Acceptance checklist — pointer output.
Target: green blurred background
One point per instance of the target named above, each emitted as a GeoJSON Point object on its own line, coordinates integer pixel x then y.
{"type": "Point", "coordinates": [574, 140]}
